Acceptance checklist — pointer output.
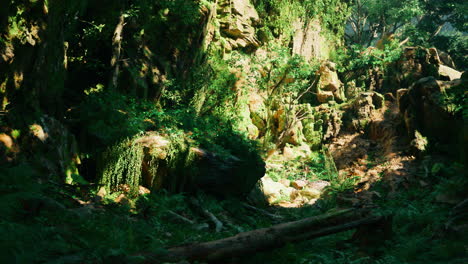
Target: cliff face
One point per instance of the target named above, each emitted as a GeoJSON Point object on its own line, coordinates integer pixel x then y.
{"type": "Point", "coordinates": [256, 65]}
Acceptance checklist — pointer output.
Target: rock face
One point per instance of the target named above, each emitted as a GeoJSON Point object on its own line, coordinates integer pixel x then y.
{"type": "Point", "coordinates": [307, 40]}
{"type": "Point", "coordinates": [238, 19]}
{"type": "Point", "coordinates": [426, 113]}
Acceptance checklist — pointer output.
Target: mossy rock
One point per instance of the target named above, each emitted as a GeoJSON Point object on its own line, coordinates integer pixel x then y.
{"type": "Point", "coordinates": [175, 163]}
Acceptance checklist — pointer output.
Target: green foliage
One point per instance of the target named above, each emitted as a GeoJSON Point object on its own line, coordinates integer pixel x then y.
{"type": "Point", "coordinates": [455, 100]}
{"type": "Point", "coordinates": [283, 79]}
{"type": "Point", "coordinates": [437, 13]}
{"type": "Point", "coordinates": [451, 41]}
{"type": "Point", "coordinates": [43, 221]}
{"type": "Point", "coordinates": [109, 117]}
{"type": "Point", "coordinates": [362, 58]}
{"type": "Point", "coordinates": [123, 166]}
{"type": "Point", "coordinates": [280, 15]}
{"type": "Point", "coordinates": [214, 87]}
{"type": "Point", "coordinates": [372, 18]}
{"type": "Point", "coordinates": [357, 62]}
{"type": "Point", "coordinates": [455, 44]}
{"type": "Point", "coordinates": [282, 73]}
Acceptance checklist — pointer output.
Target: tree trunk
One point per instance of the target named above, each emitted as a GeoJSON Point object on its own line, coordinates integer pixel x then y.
{"type": "Point", "coordinates": [117, 49]}
{"type": "Point", "coordinates": [265, 238]}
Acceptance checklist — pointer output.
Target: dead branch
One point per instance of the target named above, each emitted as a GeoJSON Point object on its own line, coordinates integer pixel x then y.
{"type": "Point", "coordinates": [180, 218]}
{"type": "Point", "coordinates": [261, 211]}
{"type": "Point", "coordinates": [265, 238]}
{"type": "Point", "coordinates": [218, 224]}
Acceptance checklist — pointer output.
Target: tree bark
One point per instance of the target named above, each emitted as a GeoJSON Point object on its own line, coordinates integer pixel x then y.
{"type": "Point", "coordinates": [265, 238]}
{"type": "Point", "coordinates": [117, 50]}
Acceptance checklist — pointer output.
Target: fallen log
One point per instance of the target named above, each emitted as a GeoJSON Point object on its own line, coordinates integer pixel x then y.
{"type": "Point", "coordinates": [265, 238]}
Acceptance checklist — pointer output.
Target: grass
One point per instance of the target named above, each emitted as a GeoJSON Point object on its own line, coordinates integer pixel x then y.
{"type": "Point", "coordinates": [42, 222]}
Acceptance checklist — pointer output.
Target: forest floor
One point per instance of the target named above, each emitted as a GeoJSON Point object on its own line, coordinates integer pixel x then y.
{"type": "Point", "coordinates": [419, 198]}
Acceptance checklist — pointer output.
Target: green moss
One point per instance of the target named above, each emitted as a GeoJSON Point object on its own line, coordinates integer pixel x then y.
{"type": "Point", "coordinates": [122, 165]}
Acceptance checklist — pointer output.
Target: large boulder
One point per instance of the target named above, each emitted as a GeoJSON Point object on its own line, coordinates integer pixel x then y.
{"type": "Point", "coordinates": [172, 162]}
{"type": "Point", "coordinates": [329, 86]}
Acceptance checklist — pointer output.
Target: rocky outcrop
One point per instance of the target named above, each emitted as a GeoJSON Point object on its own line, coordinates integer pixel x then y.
{"type": "Point", "coordinates": [417, 63]}
{"type": "Point", "coordinates": [432, 108]}
{"type": "Point", "coordinates": [329, 87]}
{"type": "Point", "coordinates": [331, 119]}
{"type": "Point", "coordinates": [237, 19]}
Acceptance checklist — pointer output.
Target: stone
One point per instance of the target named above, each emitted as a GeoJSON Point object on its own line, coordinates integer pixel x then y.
{"type": "Point", "coordinates": [274, 191]}
{"type": "Point", "coordinates": [143, 190]}
{"type": "Point", "coordinates": [329, 82]}
{"type": "Point", "coordinates": [122, 199]}
{"type": "Point", "coordinates": [296, 137]}
{"type": "Point", "coordinates": [299, 184]}
{"type": "Point", "coordinates": [37, 131]}
{"type": "Point", "coordinates": [189, 169]}
{"type": "Point", "coordinates": [318, 185]}
{"type": "Point", "coordinates": [434, 55]}
{"type": "Point", "coordinates": [424, 112]}
{"type": "Point", "coordinates": [55, 149]}
{"type": "Point", "coordinates": [378, 100]}
{"type": "Point", "coordinates": [449, 73]}
{"type": "Point", "coordinates": [360, 114]}
{"type": "Point", "coordinates": [102, 192]}
{"type": "Point", "coordinates": [389, 97]}
{"type": "Point", "coordinates": [304, 150]}
{"type": "Point", "coordinates": [257, 111]}
{"type": "Point", "coordinates": [325, 96]}
{"type": "Point", "coordinates": [288, 153]}
{"type": "Point", "coordinates": [312, 201]}
{"type": "Point", "coordinates": [310, 193]}
{"type": "Point", "coordinates": [285, 182]}
{"type": "Point", "coordinates": [6, 140]}
{"type": "Point", "coordinates": [253, 131]}
{"type": "Point", "coordinates": [330, 121]}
